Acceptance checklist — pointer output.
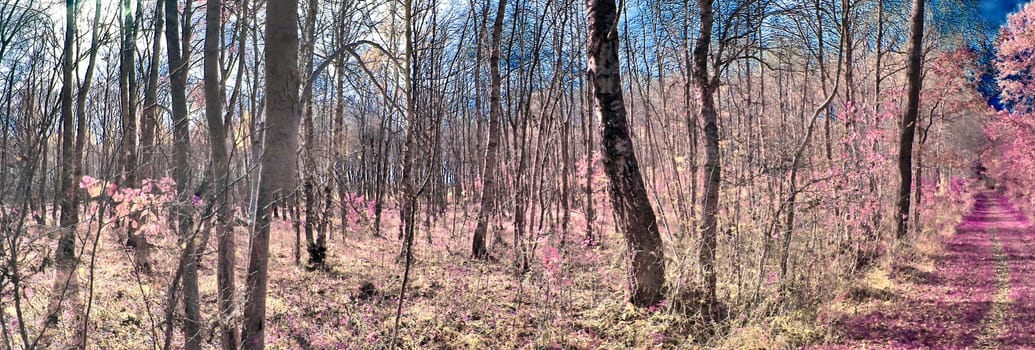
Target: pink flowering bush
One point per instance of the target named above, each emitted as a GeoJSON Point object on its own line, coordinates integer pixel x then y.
{"type": "Point", "coordinates": [359, 209]}
{"type": "Point", "coordinates": [142, 207]}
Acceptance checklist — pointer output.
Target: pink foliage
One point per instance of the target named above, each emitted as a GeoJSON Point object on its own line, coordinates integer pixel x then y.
{"type": "Point", "coordinates": [551, 260]}
{"type": "Point", "coordinates": [92, 185]}
{"type": "Point", "coordinates": [358, 208]}
{"type": "Point", "coordinates": [141, 207]}
{"type": "Point", "coordinates": [1013, 163]}
{"type": "Point", "coordinates": [1015, 62]}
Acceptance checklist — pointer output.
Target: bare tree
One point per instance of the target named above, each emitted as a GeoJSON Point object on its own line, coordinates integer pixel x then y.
{"type": "Point", "coordinates": [128, 95]}
{"type": "Point", "coordinates": [646, 260]}
{"type": "Point", "coordinates": [914, 72]}
{"type": "Point", "coordinates": [706, 85]}
{"type": "Point", "coordinates": [277, 173]}
{"type": "Point", "coordinates": [66, 285]}
{"type": "Point", "coordinates": [491, 165]}
{"type": "Point", "coordinates": [149, 119]}
{"type": "Point", "coordinates": [316, 245]}
{"type": "Point", "coordinates": [128, 160]}
{"type": "Point", "coordinates": [179, 61]}
{"type": "Point", "coordinates": [219, 173]}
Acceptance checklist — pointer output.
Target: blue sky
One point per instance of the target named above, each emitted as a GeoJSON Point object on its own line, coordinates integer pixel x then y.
{"type": "Point", "coordinates": [996, 10]}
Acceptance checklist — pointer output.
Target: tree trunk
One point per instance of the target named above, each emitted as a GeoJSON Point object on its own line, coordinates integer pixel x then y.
{"type": "Point", "coordinates": [382, 169]}
{"type": "Point", "coordinates": [128, 147]}
{"type": "Point", "coordinates": [66, 286]}
{"type": "Point", "coordinates": [148, 123]}
{"type": "Point", "coordinates": [924, 132]}
{"type": "Point", "coordinates": [565, 178]}
{"type": "Point", "coordinates": [178, 68]}
{"type": "Point", "coordinates": [588, 131]}
{"type": "Point", "coordinates": [407, 199]}
{"type": "Point", "coordinates": [490, 168]}
{"type": "Point", "coordinates": [878, 54]}
{"type": "Point", "coordinates": [691, 121]}
{"type": "Point", "coordinates": [905, 147]}
{"type": "Point", "coordinates": [821, 58]}
{"type": "Point", "coordinates": [277, 171]}
{"type": "Point", "coordinates": [219, 172]}
{"type": "Point", "coordinates": [646, 261]}
{"type": "Point", "coordinates": [336, 166]}
{"type": "Point", "coordinates": [848, 40]}
{"type": "Point", "coordinates": [710, 201]}
{"type": "Point", "coordinates": [149, 120]}
{"type": "Point", "coordinates": [316, 247]}
{"type": "Point", "coordinates": [128, 97]}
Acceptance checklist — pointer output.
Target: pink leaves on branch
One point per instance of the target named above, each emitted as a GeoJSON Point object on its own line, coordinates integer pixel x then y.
{"type": "Point", "coordinates": [141, 207]}
{"type": "Point", "coordinates": [92, 186]}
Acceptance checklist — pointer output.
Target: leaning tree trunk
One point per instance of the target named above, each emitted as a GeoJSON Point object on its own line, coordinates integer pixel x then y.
{"type": "Point", "coordinates": [491, 165]}
{"type": "Point", "coordinates": [905, 147]}
{"type": "Point", "coordinates": [646, 269]}
{"type": "Point", "coordinates": [277, 163]}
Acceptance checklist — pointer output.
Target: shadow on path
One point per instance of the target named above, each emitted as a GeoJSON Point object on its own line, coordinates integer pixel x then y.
{"type": "Point", "coordinates": [982, 293]}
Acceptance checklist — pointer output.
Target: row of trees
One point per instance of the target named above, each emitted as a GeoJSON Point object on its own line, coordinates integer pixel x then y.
{"type": "Point", "coordinates": [747, 144]}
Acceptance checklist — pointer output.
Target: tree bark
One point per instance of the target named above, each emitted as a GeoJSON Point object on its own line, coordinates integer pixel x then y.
{"type": "Point", "coordinates": [277, 172]}
{"type": "Point", "coordinates": [149, 119]}
{"type": "Point", "coordinates": [710, 201]}
{"type": "Point", "coordinates": [128, 96]}
{"type": "Point", "coordinates": [128, 146]}
{"type": "Point", "coordinates": [178, 68]}
{"type": "Point", "coordinates": [66, 286]}
{"type": "Point", "coordinates": [848, 40]}
{"type": "Point", "coordinates": [219, 172]}
{"type": "Point", "coordinates": [316, 247]}
{"type": "Point", "coordinates": [408, 200]}
{"type": "Point", "coordinates": [148, 125]}
{"type": "Point", "coordinates": [490, 168]}
{"type": "Point", "coordinates": [905, 147]}
{"type": "Point", "coordinates": [646, 260]}
{"type": "Point", "coordinates": [588, 131]}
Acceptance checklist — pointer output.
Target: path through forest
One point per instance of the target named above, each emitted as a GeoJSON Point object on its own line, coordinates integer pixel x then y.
{"type": "Point", "coordinates": [980, 294]}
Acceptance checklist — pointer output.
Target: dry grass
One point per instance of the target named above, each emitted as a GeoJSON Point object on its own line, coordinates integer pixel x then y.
{"type": "Point", "coordinates": [451, 302]}
{"type": "Point", "coordinates": [454, 302]}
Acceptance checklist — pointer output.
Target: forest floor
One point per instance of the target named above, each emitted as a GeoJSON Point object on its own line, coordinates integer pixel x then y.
{"type": "Point", "coordinates": [976, 288]}
{"type": "Point", "coordinates": [570, 299]}
{"type": "Point", "coordinates": [979, 292]}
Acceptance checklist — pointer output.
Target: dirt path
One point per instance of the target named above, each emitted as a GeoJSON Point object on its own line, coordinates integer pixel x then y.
{"type": "Point", "coordinates": [981, 294]}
